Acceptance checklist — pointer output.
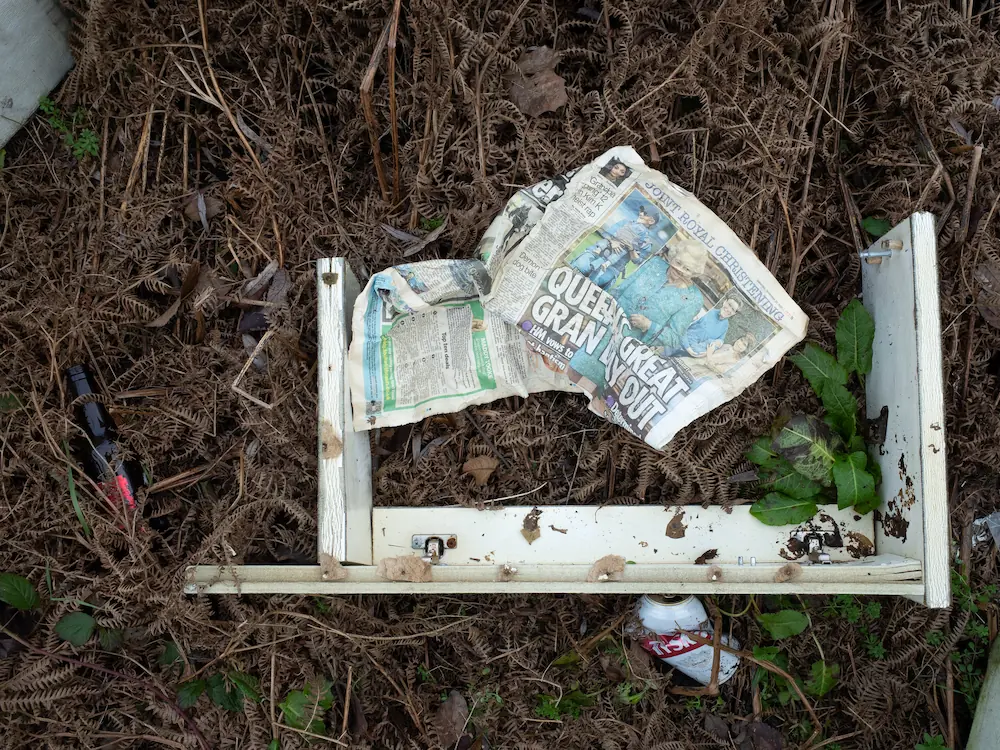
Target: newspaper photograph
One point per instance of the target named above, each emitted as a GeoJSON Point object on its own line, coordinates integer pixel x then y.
{"type": "Point", "coordinates": [423, 344]}
{"type": "Point", "coordinates": [641, 295]}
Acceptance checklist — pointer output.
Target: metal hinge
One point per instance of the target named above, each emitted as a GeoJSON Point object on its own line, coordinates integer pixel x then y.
{"type": "Point", "coordinates": [814, 548]}
{"type": "Point", "coordinates": [434, 545]}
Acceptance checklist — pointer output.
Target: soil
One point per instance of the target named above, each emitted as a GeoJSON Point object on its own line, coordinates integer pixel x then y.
{"type": "Point", "coordinates": [234, 137]}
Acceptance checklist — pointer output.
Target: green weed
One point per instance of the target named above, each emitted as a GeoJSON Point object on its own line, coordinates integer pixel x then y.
{"type": "Point", "coordinates": [424, 674]}
{"type": "Point", "coordinates": [969, 657]}
{"type": "Point", "coordinates": [931, 743]}
{"type": "Point", "coordinates": [81, 142]}
{"type": "Point", "coordinates": [809, 460]}
{"type": "Point", "coordinates": [570, 705]}
{"type": "Point", "coordinates": [226, 690]}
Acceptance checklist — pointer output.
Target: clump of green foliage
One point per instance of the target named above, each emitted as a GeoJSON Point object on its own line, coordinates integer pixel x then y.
{"type": "Point", "coordinates": [74, 627]}
{"type": "Point", "coordinates": [809, 460]}
{"type": "Point", "coordinates": [226, 690]}
{"type": "Point", "coordinates": [569, 704]}
{"type": "Point", "coordinates": [823, 677]}
{"type": "Point", "coordinates": [864, 617]}
{"type": "Point", "coordinates": [969, 656]}
{"type": "Point", "coordinates": [931, 743]}
{"type": "Point", "coordinates": [306, 709]}
{"type": "Point", "coordinates": [81, 141]}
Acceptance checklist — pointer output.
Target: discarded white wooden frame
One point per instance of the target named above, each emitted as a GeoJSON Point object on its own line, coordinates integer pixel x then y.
{"type": "Point", "coordinates": [484, 551]}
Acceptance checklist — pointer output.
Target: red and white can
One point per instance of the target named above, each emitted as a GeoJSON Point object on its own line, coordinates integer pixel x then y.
{"type": "Point", "coordinates": [662, 617]}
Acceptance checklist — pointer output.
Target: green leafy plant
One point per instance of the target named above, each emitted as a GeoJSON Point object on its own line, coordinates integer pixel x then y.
{"type": "Point", "coordinates": [823, 678]}
{"type": "Point", "coordinates": [429, 225]}
{"type": "Point", "coordinates": [569, 659]}
{"type": "Point", "coordinates": [845, 606]}
{"type": "Point", "coordinates": [807, 460]}
{"type": "Point", "coordinates": [931, 743]}
{"type": "Point", "coordinates": [223, 695]}
{"type": "Point", "coordinates": [171, 655]}
{"type": "Point", "coordinates": [570, 704]}
{"type": "Point", "coordinates": [227, 691]}
{"type": "Point", "coordinates": [873, 645]}
{"type": "Point", "coordinates": [8, 401]}
{"type": "Point", "coordinates": [629, 694]}
{"type": "Point", "coordinates": [934, 637]}
{"type": "Point", "coordinates": [247, 685]}
{"type": "Point", "coordinates": [18, 592]}
{"type": "Point", "coordinates": [483, 700]}
{"type": "Point", "coordinates": [424, 674]}
{"type": "Point", "coordinates": [874, 226]}
{"type": "Point", "coordinates": [969, 655]}
{"type": "Point", "coordinates": [306, 708]}
{"type": "Point", "coordinates": [189, 692]}
{"type": "Point", "coordinates": [76, 627]}
{"type": "Point", "coordinates": [864, 616]}
{"type": "Point", "coordinates": [783, 624]}
{"type": "Point", "coordinates": [772, 686]}
{"type": "Point", "coordinates": [82, 142]}
{"type": "Point", "coordinates": [111, 639]}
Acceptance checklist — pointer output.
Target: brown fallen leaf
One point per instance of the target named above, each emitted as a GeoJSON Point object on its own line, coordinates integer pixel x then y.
{"type": "Point", "coordinates": [676, 528]}
{"type": "Point", "coordinates": [357, 722]}
{"type": "Point", "coordinates": [529, 529]}
{"type": "Point", "coordinates": [537, 88]}
{"type": "Point", "coordinates": [254, 289]}
{"type": "Point", "coordinates": [451, 718]}
{"type": "Point", "coordinates": [718, 728]}
{"type": "Point", "coordinates": [704, 557]}
{"type": "Point", "coordinates": [640, 661]}
{"type": "Point", "coordinates": [202, 207]}
{"type": "Point", "coordinates": [612, 670]}
{"type": "Point", "coordinates": [765, 737]}
{"type": "Point", "coordinates": [277, 292]}
{"type": "Point", "coordinates": [480, 468]}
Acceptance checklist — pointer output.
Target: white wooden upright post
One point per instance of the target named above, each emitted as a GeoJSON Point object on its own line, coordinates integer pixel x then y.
{"type": "Point", "coordinates": [345, 493]}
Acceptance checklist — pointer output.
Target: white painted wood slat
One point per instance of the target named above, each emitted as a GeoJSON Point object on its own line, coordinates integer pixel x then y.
{"type": "Point", "coordinates": [901, 578]}
{"type": "Point", "coordinates": [345, 493]}
{"type": "Point", "coordinates": [579, 534]}
{"type": "Point", "coordinates": [901, 293]}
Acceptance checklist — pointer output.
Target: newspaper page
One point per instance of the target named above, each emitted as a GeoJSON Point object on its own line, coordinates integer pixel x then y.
{"type": "Point", "coordinates": [423, 344]}
{"type": "Point", "coordinates": [640, 294]}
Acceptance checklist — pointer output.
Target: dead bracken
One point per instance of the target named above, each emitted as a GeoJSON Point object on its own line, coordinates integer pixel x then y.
{"type": "Point", "coordinates": [791, 121]}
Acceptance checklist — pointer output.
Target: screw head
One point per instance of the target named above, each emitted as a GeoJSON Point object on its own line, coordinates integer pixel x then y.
{"type": "Point", "coordinates": [452, 542]}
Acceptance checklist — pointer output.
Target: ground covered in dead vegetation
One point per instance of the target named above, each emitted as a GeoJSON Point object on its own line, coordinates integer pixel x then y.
{"type": "Point", "coordinates": [231, 133]}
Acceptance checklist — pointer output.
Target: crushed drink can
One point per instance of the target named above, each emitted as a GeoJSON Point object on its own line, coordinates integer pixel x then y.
{"type": "Point", "coordinates": [663, 617]}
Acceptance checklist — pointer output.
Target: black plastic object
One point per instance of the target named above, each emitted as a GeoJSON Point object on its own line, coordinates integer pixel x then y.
{"type": "Point", "coordinates": [100, 453]}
